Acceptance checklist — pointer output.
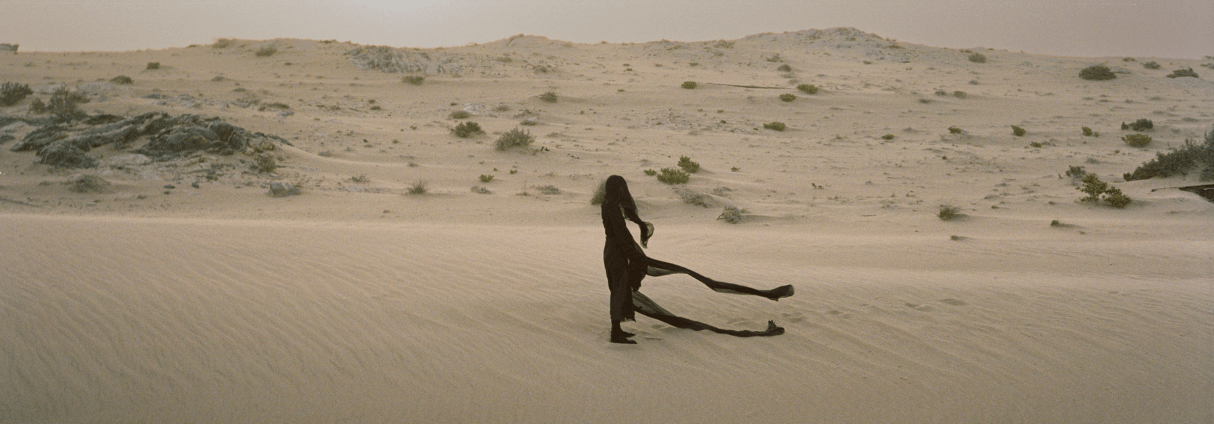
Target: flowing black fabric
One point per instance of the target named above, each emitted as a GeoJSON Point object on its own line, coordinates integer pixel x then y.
{"type": "Point", "coordinates": [649, 308]}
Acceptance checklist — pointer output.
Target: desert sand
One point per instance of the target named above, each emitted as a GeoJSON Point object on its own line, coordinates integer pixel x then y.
{"type": "Point", "coordinates": [184, 292]}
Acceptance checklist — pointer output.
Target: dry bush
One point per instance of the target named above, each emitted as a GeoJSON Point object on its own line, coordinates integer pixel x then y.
{"type": "Point", "coordinates": [515, 138]}
{"type": "Point", "coordinates": [266, 164]}
{"type": "Point", "coordinates": [419, 187]}
{"type": "Point", "coordinates": [1097, 73]}
{"type": "Point", "coordinates": [222, 43]}
{"type": "Point", "coordinates": [689, 85]}
{"type": "Point", "coordinates": [775, 126]}
{"type": "Point", "coordinates": [459, 114]}
{"type": "Point", "coordinates": [414, 79]}
{"type": "Point", "coordinates": [11, 93]}
{"type": "Point", "coordinates": [1137, 140]}
{"type": "Point", "coordinates": [266, 51]}
{"type": "Point", "coordinates": [808, 88]}
{"type": "Point", "coordinates": [731, 214]}
{"type": "Point", "coordinates": [1183, 73]}
{"type": "Point", "coordinates": [977, 57]}
{"type": "Point", "coordinates": [65, 102]}
{"type": "Point", "coordinates": [122, 80]}
{"type": "Point", "coordinates": [467, 129]}
{"type": "Point", "coordinates": [1017, 131]}
{"type": "Point", "coordinates": [549, 96]}
{"type": "Point", "coordinates": [153, 65]}
{"type": "Point", "coordinates": [948, 212]}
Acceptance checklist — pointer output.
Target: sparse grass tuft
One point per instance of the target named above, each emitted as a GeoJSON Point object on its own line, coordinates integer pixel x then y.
{"type": "Point", "coordinates": [787, 97]}
{"type": "Point", "coordinates": [1097, 73]}
{"type": "Point", "coordinates": [459, 114]}
{"type": "Point", "coordinates": [419, 187]}
{"type": "Point", "coordinates": [467, 129]}
{"type": "Point", "coordinates": [153, 65]}
{"type": "Point", "coordinates": [1137, 140]}
{"type": "Point", "coordinates": [688, 165]}
{"type": "Point", "coordinates": [122, 80]}
{"type": "Point", "coordinates": [1017, 131]}
{"type": "Point", "coordinates": [955, 130]}
{"type": "Point", "coordinates": [673, 176]}
{"type": "Point", "coordinates": [1151, 65]}
{"type": "Point", "coordinates": [731, 214]}
{"type": "Point", "coordinates": [690, 85]}
{"type": "Point", "coordinates": [1142, 124]}
{"type": "Point", "coordinates": [11, 93]}
{"type": "Point", "coordinates": [266, 51]}
{"type": "Point", "coordinates": [808, 88]}
{"type": "Point", "coordinates": [977, 57]}
{"type": "Point", "coordinates": [775, 126]}
{"type": "Point", "coordinates": [65, 102]}
{"type": "Point", "coordinates": [651, 172]}
{"type": "Point", "coordinates": [549, 96]}
{"type": "Point", "coordinates": [1087, 131]}
{"type": "Point", "coordinates": [948, 212]}
{"type": "Point", "coordinates": [515, 138]}
{"type": "Point", "coordinates": [413, 79]}
{"type": "Point", "coordinates": [486, 178]}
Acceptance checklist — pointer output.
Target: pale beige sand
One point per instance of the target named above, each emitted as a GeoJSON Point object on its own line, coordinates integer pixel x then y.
{"type": "Point", "coordinates": [354, 302]}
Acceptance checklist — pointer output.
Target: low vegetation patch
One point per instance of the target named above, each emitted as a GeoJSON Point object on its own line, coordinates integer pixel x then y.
{"type": "Point", "coordinates": [1137, 140]}
{"type": "Point", "coordinates": [1142, 124]}
{"type": "Point", "coordinates": [784, 68]}
{"type": "Point", "coordinates": [1099, 190]}
{"type": "Point", "coordinates": [89, 184]}
{"type": "Point", "coordinates": [266, 51]}
{"type": "Point", "coordinates": [1097, 73]}
{"type": "Point", "coordinates": [515, 138]}
{"type": "Point", "coordinates": [153, 65]}
{"type": "Point", "coordinates": [673, 176]}
{"type": "Point", "coordinates": [774, 126]}
{"type": "Point", "coordinates": [1087, 131]}
{"type": "Point", "coordinates": [688, 165]}
{"type": "Point", "coordinates": [887, 137]}
{"type": "Point", "coordinates": [977, 57]}
{"type": "Point", "coordinates": [955, 130]}
{"type": "Point", "coordinates": [1017, 131]}
{"type": "Point", "coordinates": [460, 114]}
{"type": "Point", "coordinates": [122, 80]}
{"type": "Point", "coordinates": [11, 93]}
{"type": "Point", "coordinates": [486, 178]}
{"type": "Point", "coordinates": [731, 214]}
{"type": "Point", "coordinates": [549, 96]}
{"type": "Point", "coordinates": [222, 43]}
{"type": "Point", "coordinates": [1179, 161]}
{"type": "Point", "coordinates": [419, 187]}
{"type": "Point", "coordinates": [467, 129]}
{"type": "Point", "coordinates": [787, 97]}
{"type": "Point", "coordinates": [948, 212]}
{"type": "Point", "coordinates": [1076, 172]}
{"type": "Point", "coordinates": [1151, 65]}
{"type": "Point", "coordinates": [1183, 73]}
{"type": "Point", "coordinates": [266, 164]}
{"type": "Point", "coordinates": [65, 102]}
{"type": "Point", "coordinates": [808, 88]}
{"type": "Point", "coordinates": [690, 85]}
{"type": "Point", "coordinates": [413, 79]}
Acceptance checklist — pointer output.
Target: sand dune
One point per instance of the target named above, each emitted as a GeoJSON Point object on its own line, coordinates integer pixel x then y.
{"type": "Point", "coordinates": [183, 292]}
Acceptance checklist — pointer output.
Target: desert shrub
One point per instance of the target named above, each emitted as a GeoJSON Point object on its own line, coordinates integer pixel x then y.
{"type": "Point", "coordinates": [1076, 172]}
{"type": "Point", "coordinates": [1142, 124]}
{"type": "Point", "coordinates": [467, 129]}
{"type": "Point", "coordinates": [485, 178]}
{"type": "Point", "coordinates": [960, 94]}
{"type": "Point", "coordinates": [414, 79]}
{"type": "Point", "coordinates": [1097, 73]}
{"type": "Point", "coordinates": [11, 93]}
{"type": "Point", "coordinates": [515, 138]}
{"type": "Point", "coordinates": [222, 43]}
{"type": "Point", "coordinates": [550, 190]}
{"type": "Point", "coordinates": [599, 193]}
{"type": "Point", "coordinates": [1137, 140]}
{"type": "Point", "coordinates": [36, 106]}
{"type": "Point", "coordinates": [89, 184]}
{"type": "Point", "coordinates": [887, 137]}
{"type": "Point", "coordinates": [651, 172]}
{"type": "Point", "coordinates": [776, 126]}
{"type": "Point", "coordinates": [688, 165]}
{"type": "Point", "coordinates": [360, 178]}
{"type": "Point", "coordinates": [549, 96]}
{"type": "Point", "coordinates": [481, 190]}
{"type": "Point", "coordinates": [153, 65]}
{"type": "Point", "coordinates": [122, 80]}
{"type": "Point", "coordinates": [266, 164]}
{"type": "Point", "coordinates": [1183, 73]}
{"type": "Point", "coordinates": [731, 214]}
{"type": "Point", "coordinates": [784, 68]}
{"type": "Point", "coordinates": [1097, 190]}
{"type": "Point", "coordinates": [65, 102]}
{"type": "Point", "coordinates": [673, 176]}
{"type": "Point", "coordinates": [788, 97]}
{"type": "Point", "coordinates": [1017, 131]}
{"type": "Point", "coordinates": [419, 187]}
{"type": "Point", "coordinates": [947, 212]}
{"type": "Point", "coordinates": [1151, 65]}
{"type": "Point", "coordinates": [808, 88]}
{"type": "Point", "coordinates": [1178, 161]}
{"type": "Point", "coordinates": [459, 114]}
{"type": "Point", "coordinates": [977, 57]}
{"type": "Point", "coordinates": [1087, 131]}
{"type": "Point", "coordinates": [690, 85]}
{"type": "Point", "coordinates": [955, 130]}
{"type": "Point", "coordinates": [266, 51]}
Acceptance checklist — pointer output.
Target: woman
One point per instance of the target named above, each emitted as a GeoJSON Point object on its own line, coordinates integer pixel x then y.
{"type": "Point", "coordinates": [622, 257]}
{"type": "Point", "coordinates": [627, 265]}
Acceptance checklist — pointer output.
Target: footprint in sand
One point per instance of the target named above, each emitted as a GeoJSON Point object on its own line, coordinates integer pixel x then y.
{"type": "Point", "coordinates": [918, 307]}
{"type": "Point", "coordinates": [954, 302]}
{"type": "Point", "coordinates": [793, 316]}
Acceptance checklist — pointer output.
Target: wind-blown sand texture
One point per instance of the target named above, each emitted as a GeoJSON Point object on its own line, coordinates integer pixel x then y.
{"type": "Point", "coordinates": [211, 301]}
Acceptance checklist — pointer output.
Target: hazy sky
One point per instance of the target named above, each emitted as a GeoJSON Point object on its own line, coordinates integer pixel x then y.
{"type": "Point", "coordinates": [1161, 28]}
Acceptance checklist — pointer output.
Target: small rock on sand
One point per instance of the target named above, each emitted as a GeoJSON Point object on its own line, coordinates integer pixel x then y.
{"type": "Point", "coordinates": [282, 190]}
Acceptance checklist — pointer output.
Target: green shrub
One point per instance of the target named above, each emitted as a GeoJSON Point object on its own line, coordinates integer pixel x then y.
{"type": "Point", "coordinates": [948, 212]}
{"type": "Point", "coordinates": [467, 129]}
{"type": "Point", "coordinates": [689, 85]}
{"type": "Point", "coordinates": [1076, 172]}
{"type": "Point", "coordinates": [1099, 190]}
{"type": "Point", "coordinates": [1097, 73]}
{"type": "Point", "coordinates": [485, 178]}
{"type": "Point", "coordinates": [11, 93]}
{"type": "Point", "coordinates": [955, 130]}
{"type": "Point", "coordinates": [153, 65]}
{"type": "Point", "coordinates": [1183, 73]}
{"type": "Point", "coordinates": [1115, 198]}
{"type": "Point", "coordinates": [776, 126]}
{"type": "Point", "coordinates": [459, 114]}
{"type": "Point", "coordinates": [1178, 161]}
{"type": "Point", "coordinates": [887, 137]}
{"type": "Point", "coordinates": [960, 94]}
{"type": "Point", "coordinates": [1017, 131]}
{"type": "Point", "coordinates": [1087, 131]}
{"type": "Point", "coordinates": [688, 165]}
{"type": "Point", "coordinates": [515, 138]}
{"type": "Point", "coordinates": [808, 88]}
{"type": "Point", "coordinates": [122, 80]}
{"type": "Point", "coordinates": [414, 79]}
{"type": "Point", "coordinates": [784, 68]}
{"type": "Point", "coordinates": [788, 97]}
{"type": "Point", "coordinates": [673, 176]}
{"type": "Point", "coordinates": [1137, 140]}
{"type": "Point", "coordinates": [1151, 65]}
{"type": "Point", "coordinates": [977, 57]}
{"type": "Point", "coordinates": [222, 43]}
{"type": "Point", "coordinates": [549, 96]}
{"type": "Point", "coordinates": [266, 51]}
{"type": "Point", "coordinates": [601, 191]}
{"type": "Point", "coordinates": [64, 102]}
{"type": "Point", "coordinates": [651, 172]}
{"type": "Point", "coordinates": [731, 214]}
{"type": "Point", "coordinates": [1142, 124]}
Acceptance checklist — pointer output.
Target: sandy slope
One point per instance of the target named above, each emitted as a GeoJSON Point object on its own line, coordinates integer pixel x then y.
{"type": "Point", "coordinates": [355, 302]}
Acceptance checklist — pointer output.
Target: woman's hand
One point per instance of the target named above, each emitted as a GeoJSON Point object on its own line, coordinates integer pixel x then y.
{"type": "Point", "coordinates": [646, 233]}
